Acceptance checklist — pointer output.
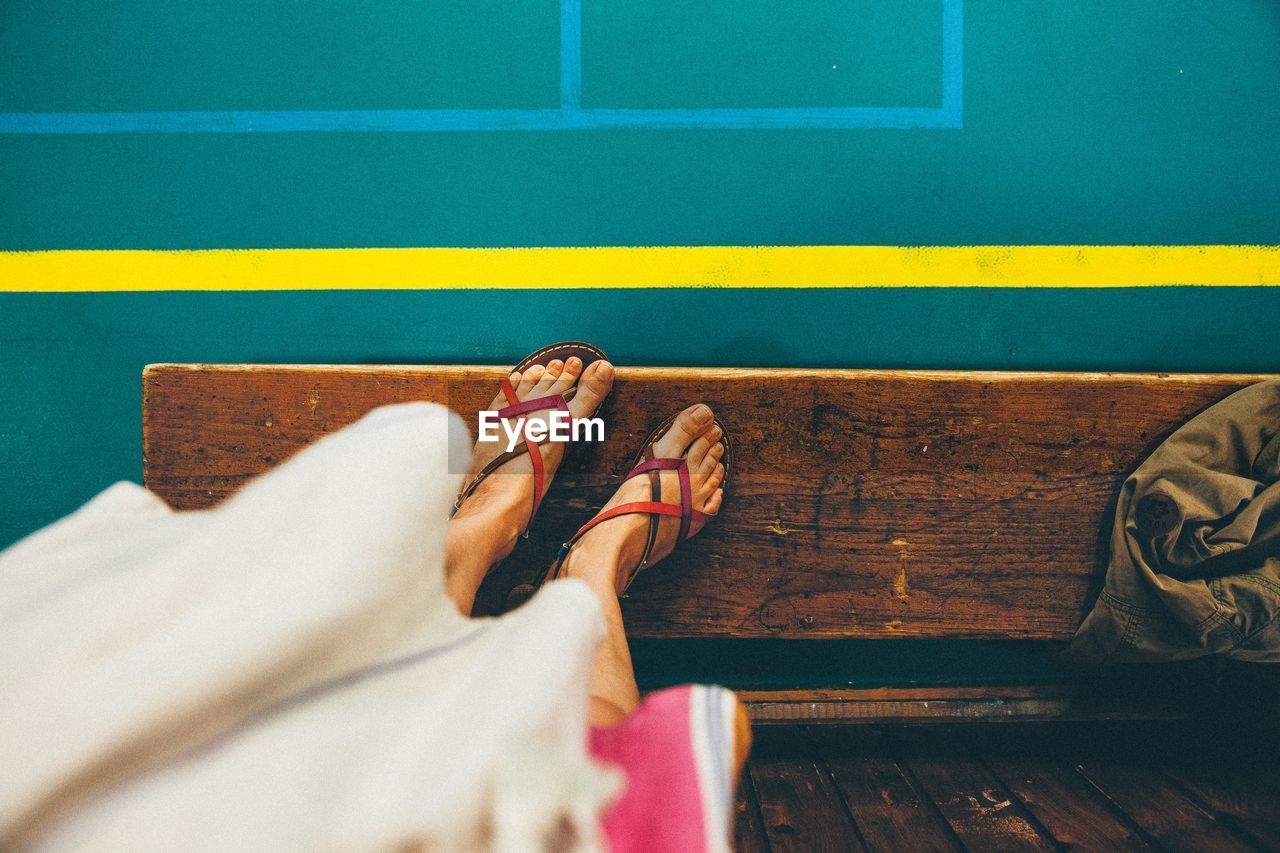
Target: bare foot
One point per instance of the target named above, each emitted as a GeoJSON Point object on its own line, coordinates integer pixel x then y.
{"type": "Point", "coordinates": [613, 549]}
{"type": "Point", "coordinates": [503, 501]}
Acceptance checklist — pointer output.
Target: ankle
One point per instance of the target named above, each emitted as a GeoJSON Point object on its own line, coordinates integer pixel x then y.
{"type": "Point", "coordinates": [595, 564]}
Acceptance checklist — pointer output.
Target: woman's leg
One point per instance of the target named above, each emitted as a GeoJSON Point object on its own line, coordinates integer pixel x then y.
{"type": "Point", "coordinates": [608, 553]}
{"type": "Point", "coordinates": [485, 530]}
{"type": "Point", "coordinates": [614, 694]}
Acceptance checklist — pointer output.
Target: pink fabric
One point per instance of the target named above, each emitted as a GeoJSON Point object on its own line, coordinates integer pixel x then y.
{"type": "Point", "coordinates": [677, 766]}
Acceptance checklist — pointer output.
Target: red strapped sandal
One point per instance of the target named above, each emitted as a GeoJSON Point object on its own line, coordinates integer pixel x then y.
{"type": "Point", "coordinates": [645, 463]}
{"type": "Point", "coordinates": [562, 351]}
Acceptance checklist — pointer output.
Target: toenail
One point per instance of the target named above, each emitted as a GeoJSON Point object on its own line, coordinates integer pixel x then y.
{"type": "Point", "coordinates": [701, 414]}
{"type": "Point", "coordinates": [575, 361]}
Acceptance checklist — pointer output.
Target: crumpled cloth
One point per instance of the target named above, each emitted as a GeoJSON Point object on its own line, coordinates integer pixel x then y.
{"type": "Point", "coordinates": [1195, 544]}
{"type": "Point", "coordinates": [286, 671]}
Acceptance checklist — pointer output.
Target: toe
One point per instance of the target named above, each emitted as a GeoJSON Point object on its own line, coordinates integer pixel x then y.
{"type": "Point", "coordinates": [688, 426]}
{"type": "Point", "coordinates": [716, 477]}
{"type": "Point", "coordinates": [706, 464]}
{"type": "Point", "coordinates": [593, 387]}
{"type": "Point", "coordinates": [550, 374]}
{"type": "Point", "coordinates": [529, 381]}
{"type": "Point", "coordinates": [568, 376]}
{"type": "Point", "coordinates": [712, 506]}
{"type": "Point", "coordinates": [717, 452]}
{"type": "Point", "coordinates": [698, 451]}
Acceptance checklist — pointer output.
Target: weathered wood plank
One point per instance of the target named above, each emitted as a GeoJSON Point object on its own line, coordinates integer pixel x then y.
{"type": "Point", "coordinates": [1163, 812]}
{"type": "Point", "coordinates": [1064, 804]}
{"type": "Point", "coordinates": [865, 503]}
{"type": "Point", "coordinates": [748, 830]}
{"type": "Point", "coordinates": [1183, 786]}
{"type": "Point", "coordinates": [979, 809]}
{"type": "Point", "coordinates": [889, 811]}
{"type": "Point", "coordinates": [1231, 771]}
{"type": "Point", "coordinates": [800, 807]}
{"type": "Point", "coordinates": [1249, 803]}
{"type": "Point", "coordinates": [1012, 703]}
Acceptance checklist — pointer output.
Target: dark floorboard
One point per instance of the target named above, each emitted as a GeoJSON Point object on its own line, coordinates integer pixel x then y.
{"type": "Point", "coordinates": [892, 812]}
{"type": "Point", "coordinates": [1008, 787]}
{"type": "Point", "coordinates": [799, 805]}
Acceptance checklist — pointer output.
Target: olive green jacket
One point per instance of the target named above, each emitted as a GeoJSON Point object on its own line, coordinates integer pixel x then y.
{"type": "Point", "coordinates": [1195, 545]}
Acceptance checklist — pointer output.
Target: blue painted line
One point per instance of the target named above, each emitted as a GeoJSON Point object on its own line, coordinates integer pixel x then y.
{"type": "Point", "coordinates": [570, 115]}
{"type": "Point", "coordinates": [571, 54]}
{"type": "Point", "coordinates": [418, 121]}
{"type": "Point", "coordinates": [953, 60]}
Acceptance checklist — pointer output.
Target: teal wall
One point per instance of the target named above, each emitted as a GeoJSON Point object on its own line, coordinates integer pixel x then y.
{"type": "Point", "coordinates": [1084, 122]}
{"type": "Point", "coordinates": [1143, 122]}
{"type": "Point", "coordinates": [71, 364]}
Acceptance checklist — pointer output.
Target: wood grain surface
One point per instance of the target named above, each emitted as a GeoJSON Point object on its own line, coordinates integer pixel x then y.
{"type": "Point", "coordinates": [864, 503]}
{"type": "Point", "coordinates": [1031, 786]}
{"type": "Point", "coordinates": [1147, 700]}
{"type": "Point", "coordinates": [800, 807]}
{"type": "Point", "coordinates": [881, 796]}
{"type": "Point", "coordinates": [1065, 804]}
{"type": "Point", "coordinates": [977, 807]}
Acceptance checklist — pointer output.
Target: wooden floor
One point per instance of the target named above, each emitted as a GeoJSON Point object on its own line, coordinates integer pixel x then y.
{"type": "Point", "coordinates": [1057, 786]}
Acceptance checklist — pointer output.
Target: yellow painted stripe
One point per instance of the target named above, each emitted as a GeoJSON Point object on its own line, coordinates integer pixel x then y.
{"type": "Point", "coordinates": [641, 266]}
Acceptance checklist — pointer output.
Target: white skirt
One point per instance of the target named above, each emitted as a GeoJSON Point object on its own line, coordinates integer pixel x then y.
{"type": "Point", "coordinates": [286, 671]}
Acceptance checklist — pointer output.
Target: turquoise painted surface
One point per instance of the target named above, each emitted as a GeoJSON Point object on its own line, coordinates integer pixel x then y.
{"type": "Point", "coordinates": [71, 365]}
{"type": "Point", "coordinates": [1135, 122]}
{"type": "Point", "coordinates": [64, 55]}
{"type": "Point", "coordinates": [762, 54]}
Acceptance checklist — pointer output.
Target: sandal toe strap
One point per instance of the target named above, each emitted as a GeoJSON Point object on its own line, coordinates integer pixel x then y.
{"type": "Point", "coordinates": [681, 467]}
{"type": "Point", "coordinates": [654, 508]}
{"type": "Point", "coordinates": [515, 409]}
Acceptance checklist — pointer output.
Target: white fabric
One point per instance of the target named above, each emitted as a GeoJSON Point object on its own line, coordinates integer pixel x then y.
{"type": "Point", "coordinates": [286, 672]}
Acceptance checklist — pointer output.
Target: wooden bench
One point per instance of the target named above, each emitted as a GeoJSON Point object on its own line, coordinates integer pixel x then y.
{"type": "Point", "coordinates": [866, 503]}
